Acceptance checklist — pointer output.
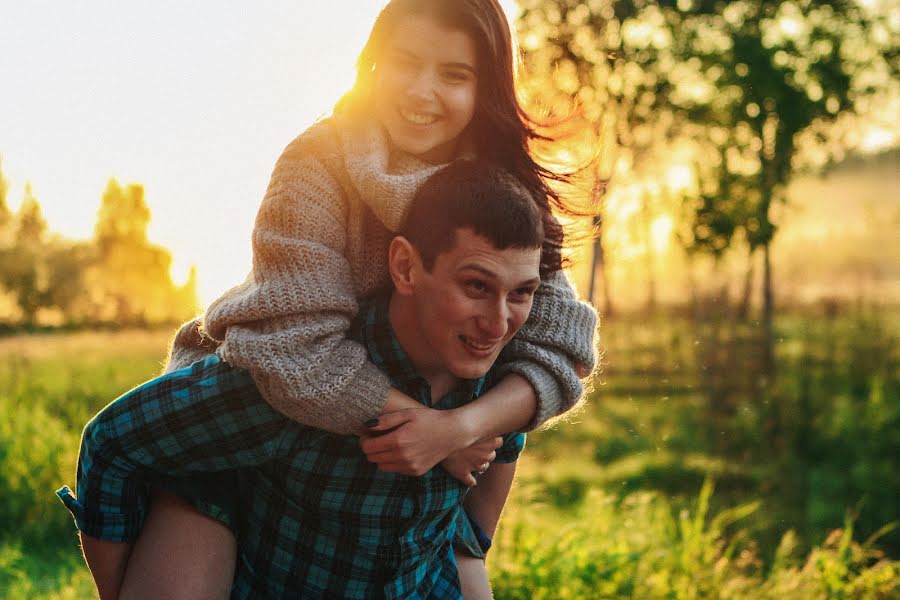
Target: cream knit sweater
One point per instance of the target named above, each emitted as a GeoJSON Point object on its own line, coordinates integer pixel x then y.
{"type": "Point", "coordinates": [319, 243]}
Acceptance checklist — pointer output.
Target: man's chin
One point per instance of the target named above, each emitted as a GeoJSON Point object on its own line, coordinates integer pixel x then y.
{"type": "Point", "coordinates": [473, 370]}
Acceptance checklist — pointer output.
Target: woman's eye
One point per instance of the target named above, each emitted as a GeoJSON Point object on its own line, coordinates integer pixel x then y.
{"type": "Point", "coordinates": [456, 76]}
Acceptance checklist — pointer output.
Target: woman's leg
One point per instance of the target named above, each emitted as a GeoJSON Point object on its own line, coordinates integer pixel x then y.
{"type": "Point", "coordinates": [181, 553]}
{"type": "Point", "coordinates": [473, 577]}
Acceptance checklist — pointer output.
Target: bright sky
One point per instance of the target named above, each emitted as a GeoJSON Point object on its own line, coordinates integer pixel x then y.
{"type": "Point", "coordinates": [195, 100]}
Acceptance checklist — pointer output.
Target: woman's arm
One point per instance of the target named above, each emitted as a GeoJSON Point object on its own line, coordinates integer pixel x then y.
{"type": "Point", "coordinates": [287, 323]}
{"type": "Point", "coordinates": [554, 350]}
{"type": "Point", "coordinates": [419, 438]}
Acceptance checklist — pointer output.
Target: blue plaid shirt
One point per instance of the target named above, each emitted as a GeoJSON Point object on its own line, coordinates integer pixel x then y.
{"type": "Point", "coordinates": [316, 518]}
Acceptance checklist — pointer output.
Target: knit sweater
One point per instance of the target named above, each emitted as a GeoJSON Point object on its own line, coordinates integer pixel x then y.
{"type": "Point", "coordinates": [320, 241]}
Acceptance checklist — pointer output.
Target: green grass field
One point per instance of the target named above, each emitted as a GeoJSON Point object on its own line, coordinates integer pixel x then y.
{"type": "Point", "coordinates": [695, 470]}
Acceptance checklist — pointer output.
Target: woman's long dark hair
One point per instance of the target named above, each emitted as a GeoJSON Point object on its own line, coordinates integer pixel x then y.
{"type": "Point", "coordinates": [501, 130]}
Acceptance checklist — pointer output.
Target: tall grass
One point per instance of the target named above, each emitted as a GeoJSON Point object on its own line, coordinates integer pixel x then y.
{"type": "Point", "coordinates": [50, 385]}
{"type": "Point", "coordinates": [617, 503]}
{"type": "Point", "coordinates": [644, 546]}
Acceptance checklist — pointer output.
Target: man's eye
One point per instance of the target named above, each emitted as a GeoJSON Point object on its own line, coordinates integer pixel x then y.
{"type": "Point", "coordinates": [476, 285]}
{"type": "Point", "coordinates": [523, 294]}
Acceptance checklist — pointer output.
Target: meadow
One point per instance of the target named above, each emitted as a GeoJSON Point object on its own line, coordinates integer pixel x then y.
{"type": "Point", "coordinates": [708, 462]}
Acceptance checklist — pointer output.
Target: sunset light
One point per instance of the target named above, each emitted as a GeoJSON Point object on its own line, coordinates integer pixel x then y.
{"type": "Point", "coordinates": [242, 333]}
{"type": "Point", "coordinates": [194, 101]}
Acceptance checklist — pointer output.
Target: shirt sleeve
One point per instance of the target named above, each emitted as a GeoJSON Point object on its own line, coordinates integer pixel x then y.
{"type": "Point", "coordinates": [206, 418]}
{"type": "Point", "coordinates": [558, 336]}
{"type": "Point", "coordinates": [509, 451]}
{"type": "Point", "coordinates": [287, 323]}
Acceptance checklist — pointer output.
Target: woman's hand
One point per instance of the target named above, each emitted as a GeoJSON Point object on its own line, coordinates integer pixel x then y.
{"type": "Point", "coordinates": [472, 459]}
{"type": "Point", "coordinates": [412, 441]}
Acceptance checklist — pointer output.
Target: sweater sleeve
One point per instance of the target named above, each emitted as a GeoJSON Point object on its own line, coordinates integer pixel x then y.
{"type": "Point", "coordinates": [287, 323]}
{"type": "Point", "coordinates": [558, 335]}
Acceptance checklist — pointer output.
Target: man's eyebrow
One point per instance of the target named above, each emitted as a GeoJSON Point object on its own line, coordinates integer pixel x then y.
{"type": "Point", "coordinates": [483, 270]}
{"type": "Point", "coordinates": [490, 274]}
{"type": "Point", "coordinates": [535, 281]}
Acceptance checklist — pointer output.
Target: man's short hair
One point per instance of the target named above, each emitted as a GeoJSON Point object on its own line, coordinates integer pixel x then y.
{"type": "Point", "coordinates": [465, 194]}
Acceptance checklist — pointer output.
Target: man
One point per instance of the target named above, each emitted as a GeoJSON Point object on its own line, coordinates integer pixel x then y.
{"type": "Point", "coordinates": [312, 516]}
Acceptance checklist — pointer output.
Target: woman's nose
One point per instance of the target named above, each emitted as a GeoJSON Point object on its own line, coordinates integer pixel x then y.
{"type": "Point", "coordinates": [421, 87]}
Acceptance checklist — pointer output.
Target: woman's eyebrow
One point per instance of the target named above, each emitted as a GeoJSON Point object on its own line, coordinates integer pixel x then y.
{"type": "Point", "coordinates": [406, 53]}
{"type": "Point", "coordinates": [461, 65]}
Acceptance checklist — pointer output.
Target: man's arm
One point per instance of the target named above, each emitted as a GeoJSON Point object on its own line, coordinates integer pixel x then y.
{"type": "Point", "coordinates": [484, 502]}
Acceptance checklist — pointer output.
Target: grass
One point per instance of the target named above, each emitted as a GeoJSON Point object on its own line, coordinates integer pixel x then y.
{"type": "Point", "coordinates": [618, 502]}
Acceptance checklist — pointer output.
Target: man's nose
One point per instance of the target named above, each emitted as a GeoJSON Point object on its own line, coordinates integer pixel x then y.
{"type": "Point", "coordinates": [495, 321]}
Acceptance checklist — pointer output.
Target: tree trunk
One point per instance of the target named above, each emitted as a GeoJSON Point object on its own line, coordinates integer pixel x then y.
{"type": "Point", "coordinates": [598, 264]}
{"type": "Point", "coordinates": [650, 306]}
{"type": "Point", "coordinates": [768, 312]}
{"type": "Point", "coordinates": [744, 308]}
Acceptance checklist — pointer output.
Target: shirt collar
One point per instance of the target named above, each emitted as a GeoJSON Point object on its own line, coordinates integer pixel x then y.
{"type": "Point", "coordinates": [374, 330]}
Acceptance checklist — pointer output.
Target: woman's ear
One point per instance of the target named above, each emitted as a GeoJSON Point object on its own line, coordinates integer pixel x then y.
{"type": "Point", "coordinates": [404, 263]}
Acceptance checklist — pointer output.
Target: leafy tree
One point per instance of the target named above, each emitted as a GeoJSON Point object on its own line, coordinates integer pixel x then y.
{"type": "Point", "coordinates": [777, 68]}
{"type": "Point", "coordinates": [21, 265]}
{"type": "Point", "coordinates": [30, 223]}
{"type": "Point", "coordinates": [740, 79]}
{"type": "Point", "coordinates": [123, 216]}
{"type": "Point", "coordinates": [5, 213]}
{"type": "Point", "coordinates": [130, 278]}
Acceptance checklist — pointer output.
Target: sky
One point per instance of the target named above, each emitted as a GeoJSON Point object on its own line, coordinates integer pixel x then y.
{"type": "Point", "coordinates": [194, 100]}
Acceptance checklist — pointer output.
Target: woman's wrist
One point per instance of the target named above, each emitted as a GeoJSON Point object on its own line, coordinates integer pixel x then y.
{"type": "Point", "coordinates": [397, 400]}
{"type": "Point", "coordinates": [508, 406]}
{"type": "Point", "coordinates": [468, 424]}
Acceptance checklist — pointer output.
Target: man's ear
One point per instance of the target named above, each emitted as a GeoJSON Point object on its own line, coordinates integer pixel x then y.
{"type": "Point", "coordinates": [404, 265]}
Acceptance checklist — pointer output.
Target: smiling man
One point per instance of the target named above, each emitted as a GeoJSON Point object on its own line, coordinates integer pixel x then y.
{"type": "Point", "coordinates": [313, 516]}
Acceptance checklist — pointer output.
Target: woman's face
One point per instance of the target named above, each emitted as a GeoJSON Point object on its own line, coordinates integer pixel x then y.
{"type": "Point", "coordinates": [425, 87]}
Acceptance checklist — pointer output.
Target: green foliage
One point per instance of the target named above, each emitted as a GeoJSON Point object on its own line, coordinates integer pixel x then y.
{"type": "Point", "coordinates": [49, 387]}
{"type": "Point", "coordinates": [646, 546]}
{"type": "Point", "coordinates": [739, 83]}
{"type": "Point", "coordinates": [606, 506]}
{"type": "Point", "coordinates": [118, 277]}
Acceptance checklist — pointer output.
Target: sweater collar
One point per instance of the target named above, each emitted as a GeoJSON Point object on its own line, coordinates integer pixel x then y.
{"type": "Point", "coordinates": [385, 181]}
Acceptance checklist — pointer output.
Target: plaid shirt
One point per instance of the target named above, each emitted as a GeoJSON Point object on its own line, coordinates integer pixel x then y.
{"type": "Point", "coordinates": [317, 518]}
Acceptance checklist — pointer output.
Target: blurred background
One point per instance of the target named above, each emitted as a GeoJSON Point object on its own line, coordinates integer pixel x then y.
{"type": "Point", "coordinates": [743, 251]}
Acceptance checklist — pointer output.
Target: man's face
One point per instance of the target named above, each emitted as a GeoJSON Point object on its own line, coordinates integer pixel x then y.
{"type": "Point", "coordinates": [471, 304]}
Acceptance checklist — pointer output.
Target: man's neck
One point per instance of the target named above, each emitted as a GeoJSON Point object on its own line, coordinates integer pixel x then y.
{"type": "Point", "coordinates": [421, 355]}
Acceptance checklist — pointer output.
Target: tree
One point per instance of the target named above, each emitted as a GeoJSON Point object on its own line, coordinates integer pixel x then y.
{"type": "Point", "coordinates": [21, 266]}
{"type": "Point", "coordinates": [129, 277]}
{"type": "Point", "coordinates": [778, 68]}
{"type": "Point", "coordinates": [609, 67]}
{"type": "Point", "coordinates": [5, 214]}
{"type": "Point", "coordinates": [30, 223]}
{"type": "Point", "coordinates": [123, 215]}
{"type": "Point", "coordinates": [741, 79]}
